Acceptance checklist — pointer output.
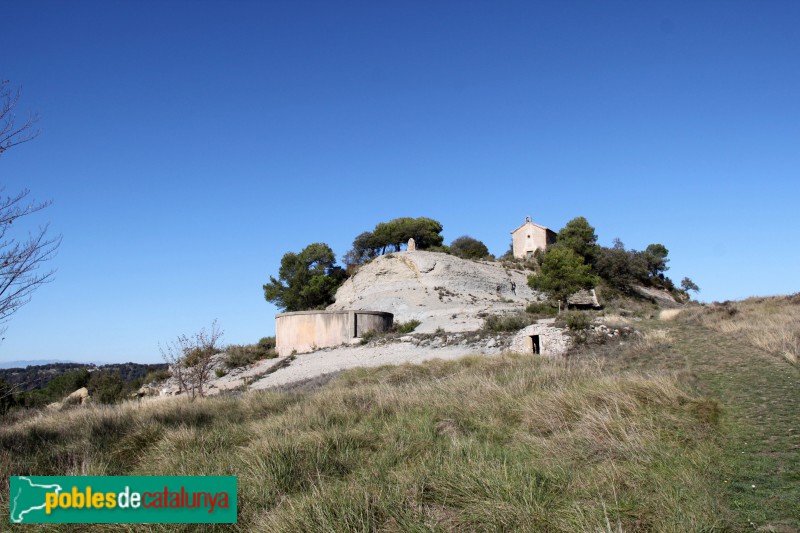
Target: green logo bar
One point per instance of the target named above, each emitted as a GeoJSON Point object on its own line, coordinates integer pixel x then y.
{"type": "Point", "coordinates": [122, 499]}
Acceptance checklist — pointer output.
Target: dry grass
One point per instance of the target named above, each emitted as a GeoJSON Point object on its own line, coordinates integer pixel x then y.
{"type": "Point", "coordinates": [669, 314]}
{"type": "Point", "coordinates": [650, 341]}
{"type": "Point", "coordinates": [615, 321]}
{"type": "Point", "coordinates": [511, 443]}
{"type": "Point", "coordinates": [771, 324]}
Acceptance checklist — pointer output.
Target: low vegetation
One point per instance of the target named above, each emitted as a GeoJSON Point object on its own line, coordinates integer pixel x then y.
{"type": "Point", "coordinates": [191, 359]}
{"type": "Point", "coordinates": [577, 320]}
{"type": "Point", "coordinates": [771, 324]}
{"type": "Point", "coordinates": [398, 328]}
{"type": "Point", "coordinates": [405, 327]}
{"type": "Point", "coordinates": [503, 443]}
{"type": "Point", "coordinates": [543, 309]}
{"type": "Point", "coordinates": [508, 322]}
{"type": "Point", "coordinates": [757, 390]}
{"type": "Point", "coordinates": [238, 355]}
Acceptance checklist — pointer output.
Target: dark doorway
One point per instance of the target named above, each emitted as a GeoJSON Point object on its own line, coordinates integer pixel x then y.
{"type": "Point", "coordinates": [535, 344]}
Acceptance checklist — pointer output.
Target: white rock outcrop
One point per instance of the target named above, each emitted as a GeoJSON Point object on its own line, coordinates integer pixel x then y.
{"type": "Point", "coordinates": [437, 289]}
{"type": "Point", "coordinates": [79, 397]}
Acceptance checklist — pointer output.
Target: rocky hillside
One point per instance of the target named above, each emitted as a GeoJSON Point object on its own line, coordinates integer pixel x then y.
{"type": "Point", "coordinates": [437, 289]}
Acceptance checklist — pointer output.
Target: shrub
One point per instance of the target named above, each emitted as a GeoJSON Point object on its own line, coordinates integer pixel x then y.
{"type": "Point", "coordinates": [266, 343]}
{"type": "Point", "coordinates": [106, 387]}
{"type": "Point", "coordinates": [467, 247]}
{"type": "Point", "coordinates": [219, 372]}
{"type": "Point", "coordinates": [577, 321]}
{"type": "Point", "coordinates": [190, 358]}
{"type": "Point", "coordinates": [156, 375]}
{"type": "Point", "coordinates": [541, 308]}
{"type": "Point", "coordinates": [512, 322]}
{"type": "Point", "coordinates": [239, 355]}
{"type": "Point", "coordinates": [368, 336]}
{"type": "Point", "coordinates": [405, 327]}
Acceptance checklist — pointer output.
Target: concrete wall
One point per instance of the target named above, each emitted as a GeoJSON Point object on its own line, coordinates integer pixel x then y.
{"type": "Point", "coordinates": [305, 331]}
{"type": "Point", "coordinates": [530, 237]}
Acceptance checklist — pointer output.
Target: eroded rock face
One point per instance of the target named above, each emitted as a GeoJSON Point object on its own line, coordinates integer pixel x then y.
{"type": "Point", "coordinates": [437, 289]}
{"type": "Point", "coordinates": [660, 296]}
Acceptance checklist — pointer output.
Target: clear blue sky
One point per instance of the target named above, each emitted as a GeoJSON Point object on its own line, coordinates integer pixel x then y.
{"type": "Point", "coordinates": [188, 145]}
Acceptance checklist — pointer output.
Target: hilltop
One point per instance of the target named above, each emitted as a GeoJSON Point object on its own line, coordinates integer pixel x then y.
{"type": "Point", "coordinates": [463, 306]}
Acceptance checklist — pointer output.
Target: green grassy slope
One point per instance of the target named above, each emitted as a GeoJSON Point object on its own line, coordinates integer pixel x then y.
{"type": "Point", "coordinates": [760, 395]}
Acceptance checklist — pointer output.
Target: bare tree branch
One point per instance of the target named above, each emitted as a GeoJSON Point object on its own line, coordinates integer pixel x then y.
{"type": "Point", "coordinates": [20, 258]}
{"type": "Point", "coordinates": [13, 133]}
{"type": "Point", "coordinates": [191, 359]}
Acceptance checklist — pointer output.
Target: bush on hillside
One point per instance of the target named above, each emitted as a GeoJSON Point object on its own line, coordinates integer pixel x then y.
{"type": "Point", "coordinates": [541, 308]}
{"type": "Point", "coordinates": [512, 322]}
{"type": "Point", "coordinates": [238, 355]}
{"type": "Point", "coordinates": [106, 387]}
{"type": "Point", "coordinates": [467, 247]}
{"type": "Point", "coordinates": [405, 327]}
{"type": "Point", "coordinates": [156, 376]}
{"type": "Point", "coordinates": [577, 321]}
{"type": "Point", "coordinates": [367, 336]}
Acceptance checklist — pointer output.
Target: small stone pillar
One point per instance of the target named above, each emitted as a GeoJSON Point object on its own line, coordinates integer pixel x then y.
{"type": "Point", "coordinates": [412, 245]}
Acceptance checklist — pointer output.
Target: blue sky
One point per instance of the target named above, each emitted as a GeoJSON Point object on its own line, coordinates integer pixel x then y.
{"type": "Point", "coordinates": [187, 146]}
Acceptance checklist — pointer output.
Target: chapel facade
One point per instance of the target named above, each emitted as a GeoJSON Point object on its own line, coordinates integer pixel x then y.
{"type": "Point", "coordinates": [529, 237]}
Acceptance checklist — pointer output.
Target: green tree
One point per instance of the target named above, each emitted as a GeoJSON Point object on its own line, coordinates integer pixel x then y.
{"type": "Point", "coordinates": [656, 257]}
{"type": "Point", "coordinates": [619, 267]}
{"type": "Point", "coordinates": [563, 273]}
{"type": "Point", "coordinates": [468, 247]}
{"type": "Point", "coordinates": [307, 280]}
{"type": "Point", "coordinates": [365, 247]}
{"type": "Point", "coordinates": [7, 396]}
{"type": "Point", "coordinates": [579, 236]}
{"type": "Point", "coordinates": [426, 233]}
{"type": "Point", "coordinates": [392, 233]}
{"type": "Point", "coordinates": [689, 285]}
{"type": "Point", "coordinates": [106, 386]}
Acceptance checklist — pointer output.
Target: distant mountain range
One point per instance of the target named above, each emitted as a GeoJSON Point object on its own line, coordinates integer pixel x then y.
{"type": "Point", "coordinates": [41, 362]}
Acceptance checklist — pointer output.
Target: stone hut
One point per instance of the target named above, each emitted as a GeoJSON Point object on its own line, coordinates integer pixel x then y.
{"type": "Point", "coordinates": [530, 237]}
{"type": "Point", "coordinates": [540, 338]}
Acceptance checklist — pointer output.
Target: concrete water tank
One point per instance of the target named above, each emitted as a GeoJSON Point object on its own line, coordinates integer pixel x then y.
{"type": "Point", "coordinates": [305, 331]}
